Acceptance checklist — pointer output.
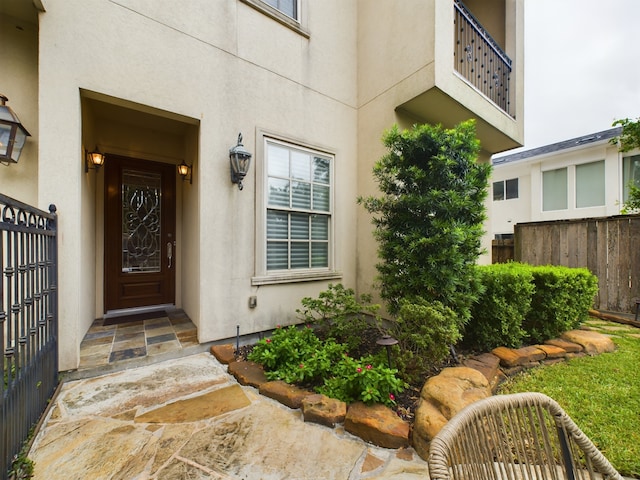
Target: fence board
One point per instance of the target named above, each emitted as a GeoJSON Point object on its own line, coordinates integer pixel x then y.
{"type": "Point", "coordinates": [602, 270]}
{"type": "Point", "coordinates": [613, 280]}
{"type": "Point", "coordinates": [609, 247]}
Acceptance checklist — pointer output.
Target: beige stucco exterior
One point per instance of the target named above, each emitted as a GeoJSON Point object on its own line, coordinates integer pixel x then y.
{"type": "Point", "coordinates": [151, 80]}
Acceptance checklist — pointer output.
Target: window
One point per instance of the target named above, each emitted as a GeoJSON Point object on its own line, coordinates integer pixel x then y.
{"type": "Point", "coordinates": [590, 184]}
{"type": "Point", "coordinates": [285, 12]}
{"type": "Point", "coordinates": [554, 189]}
{"type": "Point", "coordinates": [504, 236]}
{"type": "Point", "coordinates": [505, 189]}
{"type": "Point", "coordinates": [288, 7]}
{"type": "Point", "coordinates": [630, 173]}
{"type": "Point", "coordinates": [298, 208]}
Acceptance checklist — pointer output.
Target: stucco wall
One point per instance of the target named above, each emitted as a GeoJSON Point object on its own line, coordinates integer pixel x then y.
{"type": "Point", "coordinates": [19, 82]}
{"type": "Point", "coordinates": [213, 69]}
{"type": "Point", "coordinates": [230, 68]}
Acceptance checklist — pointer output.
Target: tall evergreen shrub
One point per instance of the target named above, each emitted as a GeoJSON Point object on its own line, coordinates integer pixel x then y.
{"type": "Point", "coordinates": [428, 220]}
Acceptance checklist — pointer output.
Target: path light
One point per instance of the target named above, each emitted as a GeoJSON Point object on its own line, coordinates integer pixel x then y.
{"type": "Point", "coordinates": [12, 134]}
{"type": "Point", "coordinates": [388, 341]}
{"type": "Point", "coordinates": [240, 160]}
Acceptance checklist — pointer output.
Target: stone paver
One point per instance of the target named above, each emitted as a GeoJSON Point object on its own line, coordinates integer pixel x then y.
{"type": "Point", "coordinates": [189, 418]}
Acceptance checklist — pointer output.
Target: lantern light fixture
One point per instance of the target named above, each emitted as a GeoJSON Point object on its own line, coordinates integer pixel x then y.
{"type": "Point", "coordinates": [186, 172]}
{"type": "Point", "coordinates": [12, 134]}
{"type": "Point", "coordinates": [240, 159]}
{"type": "Point", "coordinates": [93, 160]}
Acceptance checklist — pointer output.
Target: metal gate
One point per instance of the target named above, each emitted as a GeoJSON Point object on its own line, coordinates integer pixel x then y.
{"type": "Point", "coordinates": [28, 321]}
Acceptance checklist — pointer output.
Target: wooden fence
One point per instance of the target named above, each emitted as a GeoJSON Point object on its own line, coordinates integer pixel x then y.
{"type": "Point", "coordinates": [502, 251]}
{"type": "Point", "coordinates": [609, 247]}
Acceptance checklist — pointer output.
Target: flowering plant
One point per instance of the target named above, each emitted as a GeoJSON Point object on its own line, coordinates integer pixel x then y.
{"type": "Point", "coordinates": [297, 355]}
{"type": "Point", "coordinates": [366, 380]}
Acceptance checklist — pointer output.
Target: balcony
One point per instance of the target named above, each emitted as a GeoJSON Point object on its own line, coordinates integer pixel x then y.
{"type": "Point", "coordinates": [480, 60]}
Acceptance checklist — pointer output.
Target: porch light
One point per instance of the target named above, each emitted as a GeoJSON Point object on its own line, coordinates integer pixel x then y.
{"type": "Point", "coordinates": [93, 160]}
{"type": "Point", "coordinates": [12, 134]}
{"type": "Point", "coordinates": [240, 160]}
{"type": "Point", "coordinates": [388, 342]}
{"type": "Point", "coordinates": [186, 171]}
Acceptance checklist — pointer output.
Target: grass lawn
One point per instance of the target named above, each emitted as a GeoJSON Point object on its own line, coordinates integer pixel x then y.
{"type": "Point", "coordinates": [601, 394]}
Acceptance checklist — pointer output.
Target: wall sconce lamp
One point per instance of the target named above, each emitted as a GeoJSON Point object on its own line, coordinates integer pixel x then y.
{"type": "Point", "coordinates": [12, 134]}
{"type": "Point", "coordinates": [240, 160]}
{"type": "Point", "coordinates": [186, 171]}
{"type": "Point", "coordinates": [93, 160]}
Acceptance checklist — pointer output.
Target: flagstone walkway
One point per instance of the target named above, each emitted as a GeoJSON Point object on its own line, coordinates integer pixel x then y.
{"type": "Point", "coordinates": [189, 419]}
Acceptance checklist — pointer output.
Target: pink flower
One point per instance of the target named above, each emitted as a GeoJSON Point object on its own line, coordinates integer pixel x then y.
{"type": "Point", "coordinates": [359, 370]}
{"type": "Point", "coordinates": [369, 367]}
{"type": "Point", "coordinates": [268, 340]}
{"type": "Point", "coordinates": [392, 397]}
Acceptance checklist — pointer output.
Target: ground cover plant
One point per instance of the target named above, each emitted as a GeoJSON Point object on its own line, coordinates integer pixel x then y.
{"type": "Point", "coordinates": [601, 394]}
{"type": "Point", "coordinates": [296, 355]}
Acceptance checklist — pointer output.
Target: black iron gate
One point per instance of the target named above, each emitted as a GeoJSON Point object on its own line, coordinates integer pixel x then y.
{"type": "Point", "coordinates": [28, 321]}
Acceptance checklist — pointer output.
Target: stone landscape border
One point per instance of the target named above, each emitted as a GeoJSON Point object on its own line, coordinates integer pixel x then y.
{"type": "Point", "coordinates": [441, 397]}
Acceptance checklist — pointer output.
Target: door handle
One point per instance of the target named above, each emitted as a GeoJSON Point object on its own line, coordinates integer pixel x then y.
{"type": "Point", "coordinates": [169, 253]}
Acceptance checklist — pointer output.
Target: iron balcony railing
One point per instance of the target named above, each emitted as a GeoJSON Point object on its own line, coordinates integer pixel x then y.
{"type": "Point", "coordinates": [480, 60]}
{"type": "Point", "coordinates": [28, 321]}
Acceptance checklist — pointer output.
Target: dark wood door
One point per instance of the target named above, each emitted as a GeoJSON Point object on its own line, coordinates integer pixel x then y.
{"type": "Point", "coordinates": [140, 219]}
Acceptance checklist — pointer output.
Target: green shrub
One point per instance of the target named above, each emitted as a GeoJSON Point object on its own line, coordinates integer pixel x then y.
{"type": "Point", "coordinates": [337, 313]}
{"type": "Point", "coordinates": [499, 314]}
{"type": "Point", "coordinates": [425, 331]}
{"type": "Point", "coordinates": [560, 302]}
{"type": "Point", "coordinates": [429, 218]}
{"type": "Point", "coordinates": [297, 355]}
{"type": "Point", "coordinates": [287, 346]}
{"type": "Point", "coordinates": [366, 380]}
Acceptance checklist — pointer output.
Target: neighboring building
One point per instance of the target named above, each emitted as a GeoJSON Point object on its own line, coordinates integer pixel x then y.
{"type": "Point", "coordinates": [310, 84]}
{"type": "Point", "coordinates": [578, 178]}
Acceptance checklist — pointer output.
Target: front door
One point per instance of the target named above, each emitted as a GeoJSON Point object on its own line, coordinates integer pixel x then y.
{"type": "Point", "coordinates": [140, 219]}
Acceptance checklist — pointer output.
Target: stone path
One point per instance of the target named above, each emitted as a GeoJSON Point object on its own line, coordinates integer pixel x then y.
{"type": "Point", "coordinates": [189, 419]}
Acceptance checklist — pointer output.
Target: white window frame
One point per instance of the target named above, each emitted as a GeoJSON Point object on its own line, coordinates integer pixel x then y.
{"type": "Point", "coordinates": [296, 24]}
{"type": "Point", "coordinates": [625, 181]}
{"type": "Point", "coordinates": [567, 192]}
{"type": "Point", "coordinates": [578, 189]}
{"type": "Point", "coordinates": [262, 275]}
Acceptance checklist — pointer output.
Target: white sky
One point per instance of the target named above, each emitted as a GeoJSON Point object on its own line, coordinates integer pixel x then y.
{"type": "Point", "coordinates": [582, 67]}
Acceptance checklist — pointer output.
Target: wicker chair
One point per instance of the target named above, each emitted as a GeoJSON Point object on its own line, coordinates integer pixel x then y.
{"type": "Point", "coordinates": [525, 436]}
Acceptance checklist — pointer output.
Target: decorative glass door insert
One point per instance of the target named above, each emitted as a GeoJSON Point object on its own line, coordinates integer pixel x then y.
{"type": "Point", "coordinates": [141, 221]}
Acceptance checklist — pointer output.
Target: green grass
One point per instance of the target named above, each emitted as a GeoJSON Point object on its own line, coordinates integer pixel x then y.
{"type": "Point", "coordinates": [601, 394]}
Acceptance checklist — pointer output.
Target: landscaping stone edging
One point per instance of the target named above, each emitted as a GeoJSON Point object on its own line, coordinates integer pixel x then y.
{"type": "Point", "coordinates": [440, 401]}
{"type": "Point", "coordinates": [441, 397]}
{"type": "Point", "coordinates": [376, 424]}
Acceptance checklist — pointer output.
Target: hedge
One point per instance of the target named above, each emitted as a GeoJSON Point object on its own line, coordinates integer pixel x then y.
{"type": "Point", "coordinates": [530, 304]}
